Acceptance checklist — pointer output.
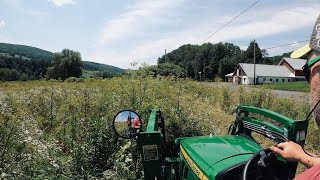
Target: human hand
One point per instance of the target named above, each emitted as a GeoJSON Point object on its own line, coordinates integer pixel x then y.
{"type": "Point", "coordinates": [290, 151]}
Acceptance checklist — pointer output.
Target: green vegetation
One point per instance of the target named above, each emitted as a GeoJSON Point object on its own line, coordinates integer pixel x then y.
{"type": "Point", "coordinates": [122, 128]}
{"type": "Point", "coordinates": [26, 51]}
{"type": "Point", "coordinates": [165, 69]}
{"type": "Point", "coordinates": [67, 64]}
{"type": "Point", "coordinates": [292, 86]}
{"type": "Point", "coordinates": [61, 130]}
{"type": "Point", "coordinates": [17, 68]}
{"type": "Point", "coordinates": [215, 60]}
{"type": "Point", "coordinates": [19, 62]}
{"type": "Point", "coordinates": [92, 66]}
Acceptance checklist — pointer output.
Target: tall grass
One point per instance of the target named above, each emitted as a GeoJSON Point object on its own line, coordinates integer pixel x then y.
{"type": "Point", "coordinates": [59, 130]}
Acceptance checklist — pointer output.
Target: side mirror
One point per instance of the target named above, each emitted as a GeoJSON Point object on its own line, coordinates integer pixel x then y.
{"type": "Point", "coordinates": [127, 124]}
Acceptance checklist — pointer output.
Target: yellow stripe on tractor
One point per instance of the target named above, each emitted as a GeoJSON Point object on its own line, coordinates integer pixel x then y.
{"type": "Point", "coordinates": [196, 170]}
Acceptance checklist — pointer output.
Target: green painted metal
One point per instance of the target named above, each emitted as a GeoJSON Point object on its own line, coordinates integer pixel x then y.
{"type": "Point", "coordinates": [294, 130]}
{"type": "Point", "coordinates": [290, 127]}
{"type": "Point", "coordinates": [266, 124]}
{"type": "Point", "coordinates": [152, 122]}
{"type": "Point", "coordinates": [267, 113]}
{"type": "Point", "coordinates": [209, 153]}
{"type": "Point", "coordinates": [227, 163]}
{"type": "Point", "coordinates": [203, 157]}
{"type": "Point", "coordinates": [150, 145]}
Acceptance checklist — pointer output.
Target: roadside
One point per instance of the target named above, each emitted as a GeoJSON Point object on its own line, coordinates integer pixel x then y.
{"type": "Point", "coordinates": [300, 96]}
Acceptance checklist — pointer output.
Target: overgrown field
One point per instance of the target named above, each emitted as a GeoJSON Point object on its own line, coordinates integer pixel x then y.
{"type": "Point", "coordinates": [59, 130]}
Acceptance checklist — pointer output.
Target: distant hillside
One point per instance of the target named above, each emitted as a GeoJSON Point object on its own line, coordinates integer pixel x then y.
{"type": "Point", "coordinates": [92, 66]}
{"type": "Point", "coordinates": [26, 51]}
{"type": "Point", "coordinates": [34, 53]}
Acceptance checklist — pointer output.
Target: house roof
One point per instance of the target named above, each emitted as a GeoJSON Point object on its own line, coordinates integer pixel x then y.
{"type": "Point", "coordinates": [296, 64]}
{"type": "Point", "coordinates": [229, 75]}
{"type": "Point", "coordinates": [265, 70]}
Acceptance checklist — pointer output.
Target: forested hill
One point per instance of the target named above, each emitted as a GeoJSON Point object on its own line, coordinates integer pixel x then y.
{"type": "Point", "coordinates": [93, 66]}
{"type": "Point", "coordinates": [215, 60]}
{"type": "Point", "coordinates": [33, 53]}
{"type": "Point", "coordinates": [26, 51]}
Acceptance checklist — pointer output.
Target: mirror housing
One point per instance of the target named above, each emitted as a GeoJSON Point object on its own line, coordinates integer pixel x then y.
{"type": "Point", "coordinates": [127, 124]}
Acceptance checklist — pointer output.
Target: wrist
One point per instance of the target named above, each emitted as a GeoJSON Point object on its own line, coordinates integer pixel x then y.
{"type": "Point", "coordinates": [308, 161]}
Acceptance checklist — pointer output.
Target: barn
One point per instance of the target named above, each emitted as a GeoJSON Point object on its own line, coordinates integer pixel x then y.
{"type": "Point", "coordinates": [295, 67]}
{"type": "Point", "coordinates": [288, 70]}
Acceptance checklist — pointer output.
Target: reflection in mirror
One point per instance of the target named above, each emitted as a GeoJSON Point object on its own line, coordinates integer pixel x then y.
{"type": "Point", "coordinates": [127, 124]}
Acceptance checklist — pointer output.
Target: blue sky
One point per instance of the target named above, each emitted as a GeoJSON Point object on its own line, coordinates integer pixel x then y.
{"type": "Point", "coordinates": [123, 116]}
{"type": "Point", "coordinates": [121, 32]}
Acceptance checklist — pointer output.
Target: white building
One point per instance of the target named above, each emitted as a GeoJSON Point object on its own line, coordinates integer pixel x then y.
{"type": "Point", "coordinates": [288, 70]}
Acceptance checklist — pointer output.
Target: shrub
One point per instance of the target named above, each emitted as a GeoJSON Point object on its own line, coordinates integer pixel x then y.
{"type": "Point", "coordinates": [71, 79]}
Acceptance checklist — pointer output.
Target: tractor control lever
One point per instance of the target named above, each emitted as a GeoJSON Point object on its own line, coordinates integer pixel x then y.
{"type": "Point", "coordinates": [262, 157]}
{"type": "Point", "coordinates": [265, 159]}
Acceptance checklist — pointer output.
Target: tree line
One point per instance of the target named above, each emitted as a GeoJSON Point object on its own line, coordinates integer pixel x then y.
{"type": "Point", "coordinates": [212, 60]}
{"type": "Point", "coordinates": [66, 64]}
{"type": "Point", "coordinates": [18, 68]}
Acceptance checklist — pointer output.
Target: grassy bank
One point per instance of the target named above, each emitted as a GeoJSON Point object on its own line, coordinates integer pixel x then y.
{"type": "Point", "coordinates": [292, 86]}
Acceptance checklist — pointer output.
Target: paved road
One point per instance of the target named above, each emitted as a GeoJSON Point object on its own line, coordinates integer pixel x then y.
{"type": "Point", "coordinates": [301, 96]}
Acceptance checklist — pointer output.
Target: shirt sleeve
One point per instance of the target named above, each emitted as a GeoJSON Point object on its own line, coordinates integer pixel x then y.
{"type": "Point", "coordinates": [137, 123]}
{"type": "Point", "coordinates": [310, 174]}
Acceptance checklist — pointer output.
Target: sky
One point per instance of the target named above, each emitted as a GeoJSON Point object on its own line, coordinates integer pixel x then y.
{"type": "Point", "coordinates": [124, 32]}
{"type": "Point", "coordinates": [123, 116]}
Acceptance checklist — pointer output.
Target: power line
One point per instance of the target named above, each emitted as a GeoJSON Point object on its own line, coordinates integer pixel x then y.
{"type": "Point", "coordinates": [230, 21]}
{"type": "Point", "coordinates": [298, 42]}
{"type": "Point", "coordinates": [186, 15]}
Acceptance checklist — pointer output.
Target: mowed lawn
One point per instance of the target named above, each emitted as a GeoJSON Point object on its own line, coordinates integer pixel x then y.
{"type": "Point", "coordinates": [292, 86]}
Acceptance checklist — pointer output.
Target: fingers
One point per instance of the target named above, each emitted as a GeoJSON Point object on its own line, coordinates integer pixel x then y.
{"type": "Point", "coordinates": [277, 151]}
{"type": "Point", "coordinates": [282, 145]}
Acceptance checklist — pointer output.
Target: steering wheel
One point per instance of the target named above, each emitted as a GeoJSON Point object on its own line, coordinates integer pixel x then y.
{"type": "Point", "coordinates": [266, 163]}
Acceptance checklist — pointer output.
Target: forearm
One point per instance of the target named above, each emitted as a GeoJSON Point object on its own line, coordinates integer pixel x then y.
{"type": "Point", "coordinates": [309, 161]}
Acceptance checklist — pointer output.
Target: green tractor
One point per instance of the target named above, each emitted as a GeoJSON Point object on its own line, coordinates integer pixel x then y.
{"type": "Point", "coordinates": [234, 156]}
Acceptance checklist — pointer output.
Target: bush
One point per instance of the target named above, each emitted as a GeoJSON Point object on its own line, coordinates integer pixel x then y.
{"type": "Point", "coordinates": [79, 79]}
{"type": "Point", "coordinates": [71, 79]}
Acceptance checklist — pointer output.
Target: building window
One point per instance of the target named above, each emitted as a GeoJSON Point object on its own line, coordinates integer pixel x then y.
{"type": "Point", "coordinates": [277, 80]}
{"type": "Point", "coordinates": [264, 79]}
{"type": "Point", "coordinates": [282, 80]}
{"type": "Point", "coordinates": [288, 80]}
{"type": "Point", "coordinates": [270, 80]}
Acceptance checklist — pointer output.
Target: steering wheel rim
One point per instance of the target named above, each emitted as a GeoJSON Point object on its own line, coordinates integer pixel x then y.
{"type": "Point", "coordinates": [251, 160]}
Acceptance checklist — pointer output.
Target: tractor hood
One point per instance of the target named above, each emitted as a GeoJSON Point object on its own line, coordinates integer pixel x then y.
{"type": "Point", "coordinates": [213, 154]}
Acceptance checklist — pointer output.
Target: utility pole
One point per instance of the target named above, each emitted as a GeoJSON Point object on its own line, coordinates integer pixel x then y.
{"type": "Point", "coordinates": [165, 55]}
{"type": "Point", "coordinates": [254, 62]}
{"type": "Point", "coordinates": [204, 69]}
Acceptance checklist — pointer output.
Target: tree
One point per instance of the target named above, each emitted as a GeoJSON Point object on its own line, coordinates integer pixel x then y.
{"type": "Point", "coordinates": [67, 64]}
{"type": "Point", "coordinates": [249, 53]}
{"type": "Point", "coordinates": [227, 65]}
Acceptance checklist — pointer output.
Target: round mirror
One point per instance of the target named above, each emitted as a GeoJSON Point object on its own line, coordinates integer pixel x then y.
{"type": "Point", "coordinates": [127, 124]}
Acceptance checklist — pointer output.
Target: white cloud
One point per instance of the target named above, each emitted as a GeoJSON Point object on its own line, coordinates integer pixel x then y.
{"type": "Point", "coordinates": [140, 15]}
{"type": "Point", "coordinates": [278, 21]}
{"type": "Point", "coordinates": [284, 21]}
{"type": "Point", "coordinates": [60, 3]}
{"type": "Point", "coordinates": [146, 52]}
{"type": "Point", "coordinates": [2, 23]}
